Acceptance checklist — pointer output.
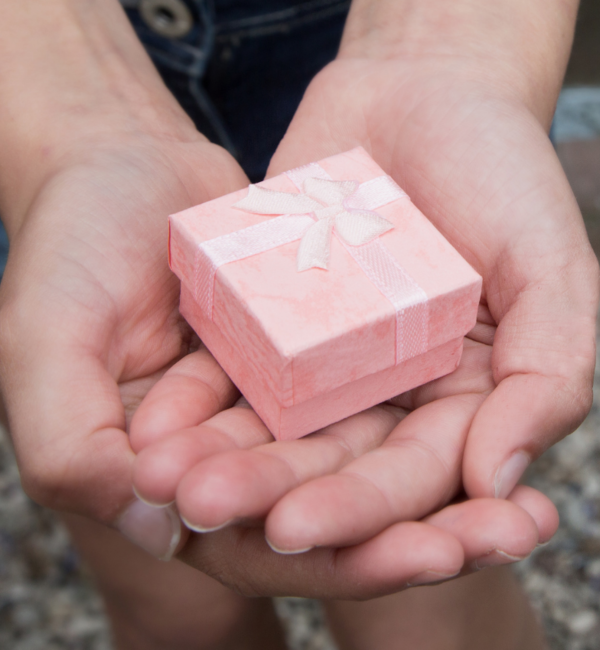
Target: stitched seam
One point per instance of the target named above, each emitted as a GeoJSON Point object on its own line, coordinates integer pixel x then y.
{"type": "Point", "coordinates": [280, 27]}
{"type": "Point", "coordinates": [280, 16]}
{"type": "Point", "coordinates": [173, 61]}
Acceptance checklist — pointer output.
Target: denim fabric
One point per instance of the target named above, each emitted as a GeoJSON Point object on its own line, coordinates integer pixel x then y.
{"type": "Point", "coordinates": [3, 249]}
{"type": "Point", "coordinates": [241, 71]}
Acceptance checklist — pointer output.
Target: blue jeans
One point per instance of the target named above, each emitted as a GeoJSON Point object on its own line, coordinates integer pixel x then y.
{"type": "Point", "coordinates": [241, 69]}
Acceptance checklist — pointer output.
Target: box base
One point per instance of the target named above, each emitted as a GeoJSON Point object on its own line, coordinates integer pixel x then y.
{"type": "Point", "coordinates": [289, 423]}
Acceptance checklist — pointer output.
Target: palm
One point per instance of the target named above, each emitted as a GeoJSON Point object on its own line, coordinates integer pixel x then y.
{"type": "Point", "coordinates": [100, 286]}
{"type": "Point", "coordinates": [480, 170]}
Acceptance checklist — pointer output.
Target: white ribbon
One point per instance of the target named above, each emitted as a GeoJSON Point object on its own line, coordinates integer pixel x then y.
{"type": "Point", "coordinates": [346, 208]}
{"type": "Point", "coordinates": [330, 204]}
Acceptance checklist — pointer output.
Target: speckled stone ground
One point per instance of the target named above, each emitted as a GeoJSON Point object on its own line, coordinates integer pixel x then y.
{"type": "Point", "coordinates": [47, 601]}
{"type": "Point", "coordinates": [563, 578]}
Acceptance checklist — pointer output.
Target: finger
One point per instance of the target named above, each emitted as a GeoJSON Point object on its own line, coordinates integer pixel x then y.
{"type": "Point", "coordinates": [473, 375]}
{"type": "Point", "coordinates": [159, 468]}
{"type": "Point", "coordinates": [485, 327]}
{"type": "Point", "coordinates": [523, 417]}
{"type": "Point", "coordinates": [67, 424]}
{"type": "Point", "coordinates": [414, 472]}
{"type": "Point", "coordinates": [192, 391]}
{"type": "Point", "coordinates": [247, 484]}
{"type": "Point", "coordinates": [540, 508]}
{"type": "Point", "coordinates": [414, 553]}
{"type": "Point", "coordinates": [491, 531]}
{"type": "Point", "coordinates": [543, 364]}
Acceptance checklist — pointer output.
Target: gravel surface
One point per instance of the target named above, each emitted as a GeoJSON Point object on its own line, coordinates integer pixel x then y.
{"type": "Point", "coordinates": [563, 578]}
{"type": "Point", "coordinates": [48, 602]}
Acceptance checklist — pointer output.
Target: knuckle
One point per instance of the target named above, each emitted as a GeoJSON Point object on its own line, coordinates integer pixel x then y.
{"type": "Point", "coordinates": [245, 588]}
{"type": "Point", "coordinates": [581, 398]}
{"type": "Point", "coordinates": [574, 397]}
{"type": "Point", "coordinates": [43, 481]}
{"type": "Point", "coordinates": [579, 387]}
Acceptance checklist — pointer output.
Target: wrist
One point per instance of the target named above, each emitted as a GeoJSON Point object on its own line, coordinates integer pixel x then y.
{"type": "Point", "coordinates": [74, 77]}
{"type": "Point", "coordinates": [519, 48]}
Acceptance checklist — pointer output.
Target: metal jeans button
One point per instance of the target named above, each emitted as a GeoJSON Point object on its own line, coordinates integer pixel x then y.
{"type": "Point", "coordinates": [170, 18]}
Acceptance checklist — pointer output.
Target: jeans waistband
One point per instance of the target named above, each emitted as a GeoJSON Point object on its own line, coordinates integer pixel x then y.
{"type": "Point", "coordinates": [223, 21]}
{"type": "Point", "coordinates": [240, 67]}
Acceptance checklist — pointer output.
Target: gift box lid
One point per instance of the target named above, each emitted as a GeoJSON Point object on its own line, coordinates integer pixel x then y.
{"type": "Point", "coordinates": [307, 332]}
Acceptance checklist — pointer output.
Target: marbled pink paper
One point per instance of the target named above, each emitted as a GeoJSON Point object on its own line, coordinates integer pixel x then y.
{"type": "Point", "coordinates": [310, 348]}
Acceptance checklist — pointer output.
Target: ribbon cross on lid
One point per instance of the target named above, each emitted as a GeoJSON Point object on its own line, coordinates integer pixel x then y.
{"type": "Point", "coordinates": [330, 204]}
{"type": "Point", "coordinates": [322, 207]}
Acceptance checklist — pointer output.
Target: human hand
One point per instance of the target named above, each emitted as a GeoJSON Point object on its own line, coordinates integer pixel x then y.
{"type": "Point", "coordinates": [89, 317]}
{"type": "Point", "coordinates": [220, 487]}
{"type": "Point", "coordinates": [221, 481]}
{"type": "Point", "coordinates": [108, 303]}
{"type": "Point", "coordinates": [492, 184]}
{"type": "Point", "coordinates": [94, 155]}
{"type": "Point", "coordinates": [469, 147]}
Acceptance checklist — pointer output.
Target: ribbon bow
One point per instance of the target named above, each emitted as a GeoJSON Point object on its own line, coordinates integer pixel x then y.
{"type": "Point", "coordinates": [330, 204]}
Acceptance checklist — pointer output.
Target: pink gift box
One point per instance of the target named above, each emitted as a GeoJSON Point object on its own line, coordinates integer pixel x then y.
{"type": "Point", "coordinates": [310, 347]}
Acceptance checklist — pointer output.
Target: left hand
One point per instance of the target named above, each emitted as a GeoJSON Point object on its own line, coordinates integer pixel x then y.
{"type": "Point", "coordinates": [477, 161]}
{"type": "Point", "coordinates": [480, 166]}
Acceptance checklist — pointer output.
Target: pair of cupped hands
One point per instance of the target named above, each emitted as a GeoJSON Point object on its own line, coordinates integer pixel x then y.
{"type": "Point", "coordinates": [108, 391]}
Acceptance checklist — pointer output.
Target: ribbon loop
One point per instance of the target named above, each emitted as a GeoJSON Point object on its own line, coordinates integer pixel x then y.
{"type": "Point", "coordinates": [326, 200]}
{"type": "Point", "coordinates": [314, 246]}
{"type": "Point", "coordinates": [360, 226]}
{"type": "Point", "coordinates": [329, 192]}
{"type": "Point", "coordinates": [261, 201]}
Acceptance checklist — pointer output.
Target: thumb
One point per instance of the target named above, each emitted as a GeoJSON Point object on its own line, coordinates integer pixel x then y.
{"type": "Point", "coordinates": [543, 363]}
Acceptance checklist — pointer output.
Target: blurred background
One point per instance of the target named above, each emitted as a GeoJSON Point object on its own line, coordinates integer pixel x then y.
{"type": "Point", "coordinates": [48, 602]}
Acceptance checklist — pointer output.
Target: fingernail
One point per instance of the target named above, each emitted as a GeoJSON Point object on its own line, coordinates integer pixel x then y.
{"type": "Point", "coordinates": [495, 558]}
{"type": "Point", "coordinates": [509, 474]}
{"type": "Point", "coordinates": [156, 530]}
{"type": "Point", "coordinates": [197, 528]}
{"type": "Point", "coordinates": [428, 577]}
{"type": "Point", "coordinates": [281, 551]}
{"type": "Point", "coordinates": [151, 503]}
